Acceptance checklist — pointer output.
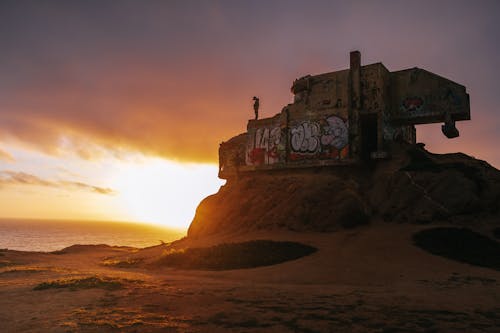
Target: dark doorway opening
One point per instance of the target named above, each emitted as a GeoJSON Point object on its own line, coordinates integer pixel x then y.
{"type": "Point", "coordinates": [369, 135]}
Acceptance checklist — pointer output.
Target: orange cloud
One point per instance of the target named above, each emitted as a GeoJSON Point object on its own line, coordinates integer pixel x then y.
{"type": "Point", "coordinates": [174, 80]}
{"type": "Point", "coordinates": [185, 123]}
{"type": "Point", "coordinates": [8, 177]}
{"type": "Point", "coordinates": [5, 156]}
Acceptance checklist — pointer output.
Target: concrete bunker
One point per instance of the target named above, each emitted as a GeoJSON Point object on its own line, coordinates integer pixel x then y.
{"type": "Point", "coordinates": [347, 116]}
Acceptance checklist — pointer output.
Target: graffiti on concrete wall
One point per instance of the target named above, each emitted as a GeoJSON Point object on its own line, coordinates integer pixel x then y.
{"type": "Point", "coordinates": [335, 133]}
{"type": "Point", "coordinates": [393, 132]}
{"type": "Point", "coordinates": [438, 102]}
{"type": "Point", "coordinates": [324, 139]}
{"type": "Point", "coordinates": [412, 104]}
{"type": "Point", "coordinates": [305, 137]}
{"type": "Point", "coordinates": [266, 146]}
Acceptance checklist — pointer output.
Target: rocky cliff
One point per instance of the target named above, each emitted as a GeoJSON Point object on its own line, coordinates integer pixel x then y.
{"type": "Point", "coordinates": [413, 186]}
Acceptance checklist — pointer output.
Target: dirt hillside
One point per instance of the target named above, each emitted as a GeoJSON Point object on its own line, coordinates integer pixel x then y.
{"type": "Point", "coordinates": [413, 186]}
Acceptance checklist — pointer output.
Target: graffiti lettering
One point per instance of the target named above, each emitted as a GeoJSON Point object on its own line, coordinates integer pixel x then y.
{"type": "Point", "coordinates": [324, 139]}
{"type": "Point", "coordinates": [309, 137]}
{"type": "Point", "coordinates": [336, 133]}
{"type": "Point", "coordinates": [304, 138]}
{"type": "Point", "coordinates": [265, 146]}
{"type": "Point", "coordinates": [262, 138]}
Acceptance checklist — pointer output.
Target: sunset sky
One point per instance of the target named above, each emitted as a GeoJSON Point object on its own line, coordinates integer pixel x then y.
{"type": "Point", "coordinates": [115, 109]}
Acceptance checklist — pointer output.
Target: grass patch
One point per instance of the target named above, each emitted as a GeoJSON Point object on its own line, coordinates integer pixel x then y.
{"type": "Point", "coordinates": [130, 262]}
{"type": "Point", "coordinates": [82, 283]}
{"type": "Point", "coordinates": [24, 270]}
{"type": "Point", "coordinates": [236, 255]}
{"type": "Point", "coordinates": [460, 244]}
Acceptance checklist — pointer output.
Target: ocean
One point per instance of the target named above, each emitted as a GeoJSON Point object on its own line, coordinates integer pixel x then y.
{"type": "Point", "coordinates": [49, 235]}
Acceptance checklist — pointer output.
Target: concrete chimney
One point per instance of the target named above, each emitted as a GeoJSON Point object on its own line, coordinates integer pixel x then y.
{"type": "Point", "coordinates": [355, 60]}
{"type": "Point", "coordinates": [355, 102]}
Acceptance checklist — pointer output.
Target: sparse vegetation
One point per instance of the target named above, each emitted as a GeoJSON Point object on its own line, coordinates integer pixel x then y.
{"type": "Point", "coordinates": [236, 255]}
{"type": "Point", "coordinates": [129, 262]}
{"type": "Point", "coordinates": [460, 244]}
{"type": "Point", "coordinates": [24, 270]}
{"type": "Point", "coordinates": [82, 283]}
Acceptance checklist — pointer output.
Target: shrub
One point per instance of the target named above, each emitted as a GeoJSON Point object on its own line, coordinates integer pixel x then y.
{"type": "Point", "coordinates": [82, 283]}
{"type": "Point", "coordinates": [236, 255]}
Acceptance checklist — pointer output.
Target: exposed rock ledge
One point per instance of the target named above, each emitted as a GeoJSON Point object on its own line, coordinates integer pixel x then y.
{"type": "Point", "coordinates": [413, 186]}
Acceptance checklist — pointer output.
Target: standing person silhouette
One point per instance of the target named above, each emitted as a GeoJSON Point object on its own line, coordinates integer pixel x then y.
{"type": "Point", "coordinates": [256, 107]}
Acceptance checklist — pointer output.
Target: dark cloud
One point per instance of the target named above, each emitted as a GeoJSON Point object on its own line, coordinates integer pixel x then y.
{"type": "Point", "coordinates": [8, 177]}
{"type": "Point", "coordinates": [175, 78]}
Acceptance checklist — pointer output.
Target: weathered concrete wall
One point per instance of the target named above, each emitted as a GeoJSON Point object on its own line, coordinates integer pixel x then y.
{"type": "Point", "coordinates": [232, 155]}
{"type": "Point", "coordinates": [320, 137]}
{"type": "Point", "coordinates": [421, 97]}
{"type": "Point", "coordinates": [266, 141]}
{"type": "Point", "coordinates": [315, 126]}
{"type": "Point", "coordinates": [319, 93]}
{"type": "Point", "coordinates": [303, 138]}
{"type": "Point", "coordinates": [347, 116]}
{"type": "Point", "coordinates": [376, 84]}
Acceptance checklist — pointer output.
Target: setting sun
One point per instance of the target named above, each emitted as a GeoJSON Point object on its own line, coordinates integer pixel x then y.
{"type": "Point", "coordinates": [133, 187]}
{"type": "Point", "coordinates": [164, 192]}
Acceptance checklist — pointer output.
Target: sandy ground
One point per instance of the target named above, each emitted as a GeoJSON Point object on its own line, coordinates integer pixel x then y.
{"type": "Point", "coordinates": [371, 279]}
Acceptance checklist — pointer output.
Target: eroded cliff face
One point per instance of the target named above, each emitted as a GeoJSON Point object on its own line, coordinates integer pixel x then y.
{"type": "Point", "coordinates": [413, 186]}
{"type": "Point", "coordinates": [424, 187]}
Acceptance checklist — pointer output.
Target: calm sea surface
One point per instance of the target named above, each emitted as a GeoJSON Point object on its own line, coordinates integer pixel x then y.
{"type": "Point", "coordinates": [45, 235]}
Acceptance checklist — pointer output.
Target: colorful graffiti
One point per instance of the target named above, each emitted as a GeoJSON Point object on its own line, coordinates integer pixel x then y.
{"type": "Point", "coordinates": [445, 100]}
{"type": "Point", "coordinates": [412, 104]}
{"type": "Point", "coordinates": [305, 137]}
{"type": "Point", "coordinates": [336, 134]}
{"type": "Point", "coordinates": [324, 139]}
{"type": "Point", "coordinates": [266, 147]}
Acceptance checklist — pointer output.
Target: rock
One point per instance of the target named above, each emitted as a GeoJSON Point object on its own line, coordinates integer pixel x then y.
{"type": "Point", "coordinates": [435, 187]}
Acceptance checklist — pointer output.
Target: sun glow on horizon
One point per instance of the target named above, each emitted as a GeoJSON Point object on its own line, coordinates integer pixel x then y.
{"type": "Point", "coordinates": [133, 187]}
{"type": "Point", "coordinates": [163, 192]}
